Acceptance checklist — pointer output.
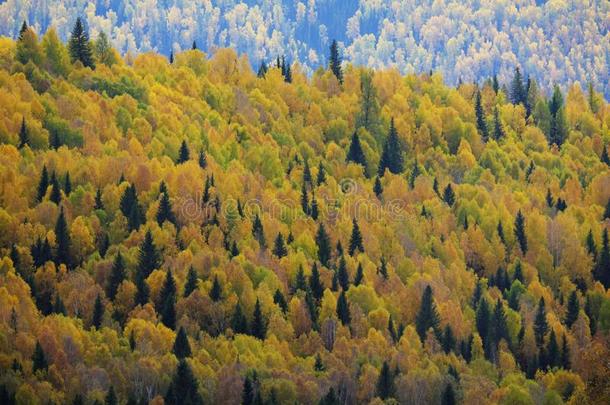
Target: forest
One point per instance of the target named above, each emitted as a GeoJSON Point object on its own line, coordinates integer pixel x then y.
{"type": "Point", "coordinates": [185, 229]}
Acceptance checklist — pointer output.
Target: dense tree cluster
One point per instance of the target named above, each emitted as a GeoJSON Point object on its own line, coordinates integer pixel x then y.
{"type": "Point", "coordinates": [192, 232]}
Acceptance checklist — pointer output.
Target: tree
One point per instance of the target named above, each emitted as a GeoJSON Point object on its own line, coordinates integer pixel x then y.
{"type": "Point", "coordinates": [323, 242]}
{"type": "Point", "coordinates": [342, 275]}
{"type": "Point", "coordinates": [518, 93]}
{"type": "Point", "coordinates": [279, 247]}
{"type": "Point", "coordinates": [591, 246]}
{"type": "Point", "coordinates": [315, 283]}
{"type": "Point", "coordinates": [148, 256]}
{"type": "Point", "coordinates": [183, 389]}
{"type": "Point", "coordinates": [449, 195]}
{"type": "Point", "coordinates": [259, 323]}
{"type": "Point", "coordinates": [330, 398]}
{"type": "Point", "coordinates": [448, 397]}
{"type": "Point", "coordinates": [216, 290]}
{"type": "Point", "coordinates": [202, 160]}
{"type": "Point", "coordinates": [483, 318]}
{"type": "Point", "coordinates": [194, 45]}
{"type": "Point", "coordinates": [602, 270]}
{"type": "Point", "coordinates": [321, 177]}
{"type": "Point", "coordinates": [385, 382]}
{"type": "Point", "coordinates": [343, 312]}
{"type": "Point", "coordinates": [67, 184]}
{"type": "Point", "coordinates": [43, 184]}
{"type": "Point", "coordinates": [39, 359]}
{"type": "Point", "coordinates": [448, 339]}
{"type": "Point", "coordinates": [573, 309]}
{"type": "Point", "coordinates": [55, 195]}
{"type": "Point", "coordinates": [604, 156]}
{"type": "Point", "coordinates": [258, 232]}
{"type": "Point", "coordinates": [131, 209]}
{"type": "Point", "coordinates": [355, 242]}
{"type": "Point", "coordinates": [278, 298]}
{"type": "Point", "coordinates": [378, 188]}
{"type": "Point", "coordinates": [558, 129]}
{"type": "Point", "coordinates": [183, 154]}
{"type": "Point", "coordinates": [304, 200]}
{"type": "Point", "coordinates": [307, 179]}
{"type": "Point", "coordinates": [262, 70]}
{"type": "Point", "coordinates": [334, 63]}
{"type": "Point", "coordinates": [498, 130]}
{"type": "Point", "coordinates": [391, 157]}
{"type": "Point", "coordinates": [181, 348]}
{"type": "Point", "coordinates": [553, 355]}
{"type": "Point", "coordinates": [167, 301]}
{"type": "Point", "coordinates": [191, 282]}
{"type": "Point", "coordinates": [239, 324]}
{"type": "Point", "coordinates": [520, 232]}
{"type": "Point", "coordinates": [383, 269]}
{"type": "Point", "coordinates": [369, 114]}
{"type": "Point", "coordinates": [165, 212]}
{"type": "Point", "coordinates": [79, 46]}
{"type": "Point", "coordinates": [499, 326]}
{"type": "Point", "coordinates": [63, 241]}
{"type": "Point", "coordinates": [359, 275]}
{"type": "Point", "coordinates": [355, 153]}
{"type": "Point", "coordinates": [117, 276]}
{"type": "Point", "coordinates": [98, 313]}
{"type": "Point", "coordinates": [24, 138]}
{"type": "Point", "coordinates": [541, 325]}
{"type": "Point", "coordinates": [111, 398]}
{"type": "Point", "coordinates": [22, 30]}
{"type": "Point", "coordinates": [427, 317]}
{"type": "Point", "coordinates": [607, 210]}
{"type": "Point", "coordinates": [481, 124]}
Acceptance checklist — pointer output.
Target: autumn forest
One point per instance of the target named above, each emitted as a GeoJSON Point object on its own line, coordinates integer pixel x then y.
{"type": "Point", "coordinates": [188, 229]}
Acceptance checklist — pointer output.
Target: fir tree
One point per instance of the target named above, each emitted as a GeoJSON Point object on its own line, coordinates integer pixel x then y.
{"type": "Point", "coordinates": [181, 348]}
{"type": "Point", "coordinates": [499, 325]}
{"type": "Point", "coordinates": [314, 213]}
{"type": "Point", "coordinates": [216, 290]}
{"type": "Point", "coordinates": [259, 324]}
{"type": "Point", "coordinates": [553, 355]}
{"type": "Point", "coordinates": [604, 156]}
{"type": "Point", "coordinates": [117, 276]}
{"type": "Point", "coordinates": [565, 354]}
{"type": "Point", "coordinates": [355, 153]}
{"type": "Point", "coordinates": [483, 317]}
{"type": "Point", "coordinates": [239, 324]}
{"type": "Point", "coordinates": [520, 232]}
{"type": "Point", "coordinates": [183, 389]}
{"type": "Point", "coordinates": [22, 30]}
{"type": "Point", "coordinates": [67, 184]}
{"type": "Point", "coordinates": [148, 256]}
{"type": "Point", "coordinates": [478, 293]}
{"type": "Point", "coordinates": [279, 247]}
{"type": "Point", "coordinates": [234, 250]}
{"type": "Point", "coordinates": [262, 70]}
{"type": "Point", "coordinates": [55, 195]}
{"type": "Point", "coordinates": [342, 275]}
{"type": "Point", "coordinates": [258, 232]}
{"type": "Point", "coordinates": [165, 212]}
{"type": "Point", "coordinates": [330, 398]}
{"type": "Point", "coordinates": [304, 200]}
{"type": "Point", "coordinates": [248, 394]}
{"type": "Point", "coordinates": [602, 269]}
{"type": "Point", "coordinates": [334, 63]}
{"type": "Point", "coordinates": [541, 325]}
{"type": "Point", "coordinates": [591, 246]}
{"type": "Point", "coordinates": [42, 184]}
{"type": "Point", "coordinates": [498, 130]}
{"type": "Point", "coordinates": [194, 46]}
{"type": "Point", "coordinates": [131, 209]}
{"type": "Point", "coordinates": [518, 92]}
{"type": "Point", "coordinates": [98, 313]}
{"type": "Point", "coordinates": [448, 397]}
{"type": "Point", "coordinates": [414, 175]}
{"type": "Point", "coordinates": [58, 306]}
{"type": "Point", "coordinates": [79, 46]}
{"type": "Point", "coordinates": [318, 365]}
{"type": "Point", "coordinates": [573, 309]}
{"type": "Point", "coordinates": [202, 160]}
{"type": "Point", "coordinates": [449, 195]}
{"type": "Point", "coordinates": [63, 241]}
{"type": "Point", "coordinates": [481, 124]}
{"type": "Point", "coordinates": [355, 242]}
{"type": "Point", "coordinates": [111, 398]}
{"type": "Point", "coordinates": [307, 179]}
{"type": "Point", "coordinates": [427, 317]}
{"type": "Point", "coordinates": [299, 282]}
{"type": "Point", "coordinates": [378, 188]}
{"type": "Point", "coordinates": [359, 275]}
{"type": "Point", "coordinates": [448, 339]}
{"type": "Point", "coordinates": [99, 204]}
{"type": "Point", "coordinates": [278, 298]}
{"type": "Point", "coordinates": [518, 274]}
{"type": "Point", "coordinates": [607, 210]}
{"type": "Point", "coordinates": [323, 242]}
{"type": "Point", "coordinates": [385, 382]}
{"type": "Point", "coordinates": [315, 283]}
{"type": "Point", "coordinates": [391, 157]}
{"type": "Point", "coordinates": [39, 359]}
{"type": "Point", "coordinates": [24, 138]}
{"type": "Point", "coordinates": [550, 202]}
{"type": "Point", "coordinates": [191, 282]}
{"type": "Point", "coordinates": [183, 154]}
{"type": "Point", "coordinates": [343, 312]}
{"type": "Point", "coordinates": [321, 177]}
{"type": "Point", "coordinates": [383, 269]}
{"type": "Point", "coordinates": [167, 301]}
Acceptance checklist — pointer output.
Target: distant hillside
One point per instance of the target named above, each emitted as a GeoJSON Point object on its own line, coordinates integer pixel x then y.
{"type": "Point", "coordinates": [554, 41]}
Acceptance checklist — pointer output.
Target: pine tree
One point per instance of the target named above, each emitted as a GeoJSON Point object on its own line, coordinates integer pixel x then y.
{"type": "Point", "coordinates": [334, 63]}
{"type": "Point", "coordinates": [448, 339]}
{"type": "Point", "coordinates": [483, 318]}
{"type": "Point", "coordinates": [262, 70]}
{"type": "Point", "coordinates": [55, 195]}
{"type": "Point", "coordinates": [355, 242]}
{"type": "Point", "coordinates": [194, 46]}
{"type": "Point", "coordinates": [565, 354]}
{"type": "Point", "coordinates": [117, 276]}
{"type": "Point", "coordinates": [550, 202]}
{"type": "Point", "coordinates": [520, 232]}
{"type": "Point", "coordinates": [184, 154]}
{"type": "Point", "coordinates": [304, 200]}
{"type": "Point", "coordinates": [553, 354]}
{"type": "Point", "coordinates": [167, 301]}
{"type": "Point", "coordinates": [239, 324]}
{"type": "Point", "coordinates": [355, 153]}
{"type": "Point", "coordinates": [378, 188]}
{"type": "Point", "coordinates": [481, 124]}
{"type": "Point", "coordinates": [391, 157]}
{"type": "Point", "coordinates": [202, 160]}
{"type": "Point", "coordinates": [307, 179]}
{"type": "Point", "coordinates": [58, 306]}
{"type": "Point", "coordinates": [318, 365]}
{"type": "Point", "coordinates": [498, 130]}
{"type": "Point", "coordinates": [299, 282]}
{"type": "Point", "coordinates": [314, 212]}
{"type": "Point", "coordinates": [22, 30]}
{"type": "Point", "coordinates": [183, 389]}
{"type": "Point", "coordinates": [111, 398]}
{"type": "Point", "coordinates": [279, 247]}
{"type": "Point", "coordinates": [98, 313]}
{"type": "Point", "coordinates": [414, 175]}
{"type": "Point", "coordinates": [517, 92]}
{"type": "Point", "coordinates": [369, 115]}
{"type": "Point", "coordinates": [604, 156]}
{"type": "Point", "coordinates": [79, 46]}
{"type": "Point", "coordinates": [42, 184]}
{"type": "Point", "coordinates": [259, 324]}
{"type": "Point", "coordinates": [315, 283]}
{"type": "Point", "coordinates": [359, 275]}
{"type": "Point", "coordinates": [99, 204]}
{"type": "Point", "coordinates": [323, 242]}
{"type": "Point", "coordinates": [478, 293]}
{"type": "Point", "coordinates": [591, 246]}
{"type": "Point", "coordinates": [383, 269]}
{"type": "Point", "coordinates": [427, 317]}
{"type": "Point", "coordinates": [607, 210]}
{"type": "Point", "coordinates": [63, 241]}
{"type": "Point", "coordinates": [165, 212]}
{"type": "Point", "coordinates": [67, 184]}
{"type": "Point", "coordinates": [216, 290]}
{"type": "Point", "coordinates": [39, 359]}
{"type": "Point", "coordinates": [321, 177]}
{"type": "Point", "coordinates": [330, 398]}
{"type": "Point", "coordinates": [24, 138]}
{"type": "Point", "coordinates": [448, 397]}
{"type": "Point", "coordinates": [191, 282]}
{"type": "Point", "coordinates": [248, 394]}
{"type": "Point", "coordinates": [342, 275]}
{"type": "Point", "coordinates": [602, 269]}
{"type": "Point", "coordinates": [258, 232]}
{"type": "Point", "coordinates": [131, 209]}
{"type": "Point", "coordinates": [541, 325]}
{"type": "Point", "coordinates": [278, 298]}
{"type": "Point", "coordinates": [343, 312]}
{"type": "Point", "coordinates": [573, 309]}
{"type": "Point", "coordinates": [499, 325]}
{"type": "Point", "coordinates": [385, 382]}
{"type": "Point", "coordinates": [148, 256]}
{"type": "Point", "coordinates": [449, 195]}
{"type": "Point", "coordinates": [181, 348]}
{"type": "Point", "coordinates": [558, 129]}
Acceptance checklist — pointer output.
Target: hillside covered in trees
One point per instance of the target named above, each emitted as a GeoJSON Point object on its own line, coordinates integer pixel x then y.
{"type": "Point", "coordinates": [555, 41]}
{"type": "Point", "coordinates": [186, 230]}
